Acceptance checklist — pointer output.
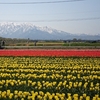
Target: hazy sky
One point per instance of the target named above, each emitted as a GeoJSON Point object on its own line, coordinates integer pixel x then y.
{"type": "Point", "coordinates": [77, 17]}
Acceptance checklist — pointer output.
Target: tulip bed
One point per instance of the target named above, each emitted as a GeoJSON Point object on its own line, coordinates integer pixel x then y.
{"type": "Point", "coordinates": [49, 78]}
{"type": "Point", "coordinates": [56, 52]}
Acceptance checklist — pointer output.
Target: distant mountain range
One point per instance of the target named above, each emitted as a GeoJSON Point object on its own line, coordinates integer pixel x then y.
{"type": "Point", "coordinates": [26, 30]}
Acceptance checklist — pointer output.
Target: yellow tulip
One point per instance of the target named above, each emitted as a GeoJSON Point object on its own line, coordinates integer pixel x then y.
{"type": "Point", "coordinates": [8, 92]}
{"type": "Point", "coordinates": [88, 98]}
{"type": "Point", "coordinates": [11, 96]}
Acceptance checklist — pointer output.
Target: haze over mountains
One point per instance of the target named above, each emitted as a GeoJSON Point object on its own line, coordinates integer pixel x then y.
{"type": "Point", "coordinates": [27, 30]}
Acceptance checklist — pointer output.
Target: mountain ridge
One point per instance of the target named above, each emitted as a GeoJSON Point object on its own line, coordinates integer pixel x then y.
{"type": "Point", "coordinates": [28, 30]}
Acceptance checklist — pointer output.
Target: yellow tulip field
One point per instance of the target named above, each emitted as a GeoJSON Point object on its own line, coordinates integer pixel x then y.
{"type": "Point", "coordinates": [49, 78]}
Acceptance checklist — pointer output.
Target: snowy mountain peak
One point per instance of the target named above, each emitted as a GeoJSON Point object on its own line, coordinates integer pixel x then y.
{"type": "Point", "coordinates": [24, 26]}
{"type": "Point", "coordinates": [28, 30]}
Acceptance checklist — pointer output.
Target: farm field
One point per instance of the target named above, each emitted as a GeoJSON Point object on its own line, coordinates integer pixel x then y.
{"type": "Point", "coordinates": [49, 74]}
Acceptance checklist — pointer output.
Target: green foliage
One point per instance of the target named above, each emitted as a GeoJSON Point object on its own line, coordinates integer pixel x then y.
{"type": "Point", "coordinates": [81, 44]}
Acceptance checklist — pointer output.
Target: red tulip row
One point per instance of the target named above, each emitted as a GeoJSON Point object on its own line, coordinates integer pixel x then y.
{"type": "Point", "coordinates": [59, 52]}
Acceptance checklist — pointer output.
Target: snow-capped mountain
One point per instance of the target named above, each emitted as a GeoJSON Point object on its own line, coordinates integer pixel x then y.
{"type": "Point", "coordinates": [27, 30]}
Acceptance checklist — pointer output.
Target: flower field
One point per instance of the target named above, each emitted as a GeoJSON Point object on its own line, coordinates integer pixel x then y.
{"type": "Point", "coordinates": [49, 75]}
{"type": "Point", "coordinates": [56, 52]}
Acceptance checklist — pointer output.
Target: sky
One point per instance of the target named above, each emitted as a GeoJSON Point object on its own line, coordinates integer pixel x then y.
{"type": "Point", "coordinates": [75, 16]}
